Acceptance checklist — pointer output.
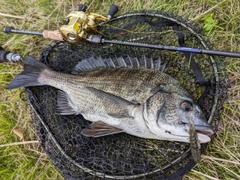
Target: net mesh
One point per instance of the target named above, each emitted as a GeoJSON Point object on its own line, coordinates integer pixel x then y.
{"type": "Point", "coordinates": [123, 156]}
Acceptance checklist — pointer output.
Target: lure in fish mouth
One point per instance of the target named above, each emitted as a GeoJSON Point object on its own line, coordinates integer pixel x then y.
{"type": "Point", "coordinates": [119, 94]}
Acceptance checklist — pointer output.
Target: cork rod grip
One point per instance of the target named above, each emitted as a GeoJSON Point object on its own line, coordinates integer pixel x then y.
{"type": "Point", "coordinates": [54, 35]}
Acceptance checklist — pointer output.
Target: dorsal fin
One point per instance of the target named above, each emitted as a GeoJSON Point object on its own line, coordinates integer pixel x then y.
{"type": "Point", "coordinates": [117, 62]}
{"type": "Point", "coordinates": [142, 62]}
{"type": "Point", "coordinates": [122, 62]}
{"type": "Point", "coordinates": [110, 63]}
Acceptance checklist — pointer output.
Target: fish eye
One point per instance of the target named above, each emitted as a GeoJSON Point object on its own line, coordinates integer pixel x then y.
{"type": "Point", "coordinates": [186, 106]}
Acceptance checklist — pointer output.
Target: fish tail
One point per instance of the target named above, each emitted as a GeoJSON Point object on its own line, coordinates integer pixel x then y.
{"type": "Point", "coordinates": [30, 75]}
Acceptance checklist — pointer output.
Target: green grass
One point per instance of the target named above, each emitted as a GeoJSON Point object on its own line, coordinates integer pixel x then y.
{"type": "Point", "coordinates": [220, 20]}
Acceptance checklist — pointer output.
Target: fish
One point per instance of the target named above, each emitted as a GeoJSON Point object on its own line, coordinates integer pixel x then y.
{"type": "Point", "coordinates": [121, 94]}
{"type": "Point", "coordinates": [195, 145]}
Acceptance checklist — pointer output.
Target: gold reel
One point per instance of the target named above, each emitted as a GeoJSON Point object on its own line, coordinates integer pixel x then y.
{"type": "Point", "coordinates": [81, 23]}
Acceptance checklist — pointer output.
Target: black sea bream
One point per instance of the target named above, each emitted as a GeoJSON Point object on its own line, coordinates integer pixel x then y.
{"type": "Point", "coordinates": [143, 102]}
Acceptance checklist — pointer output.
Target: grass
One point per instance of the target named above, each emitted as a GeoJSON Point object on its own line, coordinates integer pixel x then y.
{"type": "Point", "coordinates": [221, 23]}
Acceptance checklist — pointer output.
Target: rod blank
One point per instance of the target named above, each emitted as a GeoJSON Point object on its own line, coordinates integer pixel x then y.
{"type": "Point", "coordinates": [175, 48]}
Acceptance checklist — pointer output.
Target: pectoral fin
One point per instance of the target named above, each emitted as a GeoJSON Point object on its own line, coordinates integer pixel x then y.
{"type": "Point", "coordinates": [64, 104]}
{"type": "Point", "coordinates": [98, 129]}
{"type": "Point", "coordinates": [115, 106]}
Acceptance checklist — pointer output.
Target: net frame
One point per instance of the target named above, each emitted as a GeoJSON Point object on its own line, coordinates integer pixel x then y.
{"type": "Point", "coordinates": [176, 167]}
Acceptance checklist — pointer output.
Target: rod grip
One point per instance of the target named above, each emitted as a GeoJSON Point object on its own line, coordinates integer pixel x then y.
{"type": "Point", "coordinates": [54, 35]}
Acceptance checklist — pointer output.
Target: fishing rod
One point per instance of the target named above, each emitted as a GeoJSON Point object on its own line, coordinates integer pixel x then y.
{"type": "Point", "coordinates": [82, 25]}
{"type": "Point", "coordinates": [55, 35]}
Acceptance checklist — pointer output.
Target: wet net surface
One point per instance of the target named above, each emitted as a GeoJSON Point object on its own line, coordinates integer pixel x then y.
{"type": "Point", "coordinates": [122, 156]}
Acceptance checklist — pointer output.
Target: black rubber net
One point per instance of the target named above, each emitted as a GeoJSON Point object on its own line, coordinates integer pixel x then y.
{"type": "Point", "coordinates": [122, 156]}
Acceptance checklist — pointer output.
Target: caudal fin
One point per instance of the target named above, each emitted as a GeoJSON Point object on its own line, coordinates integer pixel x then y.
{"type": "Point", "coordinates": [30, 74]}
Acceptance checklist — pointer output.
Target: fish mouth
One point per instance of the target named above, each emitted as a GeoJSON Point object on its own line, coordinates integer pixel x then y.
{"type": "Point", "coordinates": [206, 130]}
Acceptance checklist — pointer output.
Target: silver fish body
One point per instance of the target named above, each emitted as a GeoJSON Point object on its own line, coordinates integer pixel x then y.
{"type": "Point", "coordinates": [143, 102]}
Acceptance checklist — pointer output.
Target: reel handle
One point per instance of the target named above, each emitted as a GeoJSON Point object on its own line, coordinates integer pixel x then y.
{"type": "Point", "coordinates": [81, 7]}
{"type": "Point", "coordinates": [112, 11]}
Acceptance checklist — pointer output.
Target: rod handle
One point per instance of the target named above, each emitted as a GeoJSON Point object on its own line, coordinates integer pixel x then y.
{"type": "Point", "coordinates": [54, 35]}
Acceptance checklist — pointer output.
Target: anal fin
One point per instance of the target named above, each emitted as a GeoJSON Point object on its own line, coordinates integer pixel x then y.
{"type": "Point", "coordinates": [99, 129]}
